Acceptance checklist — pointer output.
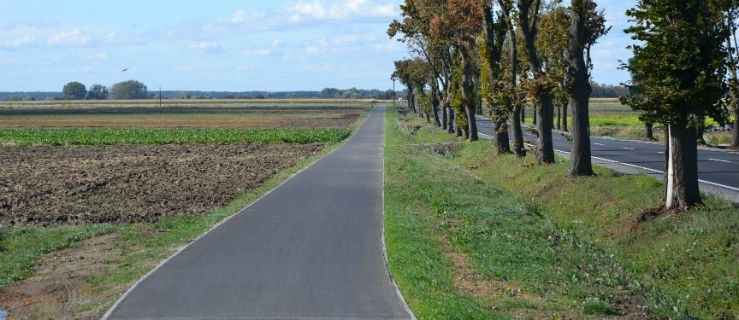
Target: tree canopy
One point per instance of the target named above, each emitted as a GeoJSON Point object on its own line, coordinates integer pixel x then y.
{"type": "Point", "coordinates": [74, 91]}
{"type": "Point", "coordinates": [97, 92]}
{"type": "Point", "coordinates": [128, 90]}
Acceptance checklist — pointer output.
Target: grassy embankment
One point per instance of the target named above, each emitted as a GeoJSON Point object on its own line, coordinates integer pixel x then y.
{"type": "Point", "coordinates": [141, 246]}
{"type": "Point", "coordinates": [483, 236]}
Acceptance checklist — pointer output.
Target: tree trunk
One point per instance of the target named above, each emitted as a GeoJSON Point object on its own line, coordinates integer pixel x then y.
{"type": "Point", "coordinates": [564, 118]}
{"type": "Point", "coordinates": [681, 187]}
{"type": "Point", "coordinates": [459, 130]}
{"type": "Point", "coordinates": [514, 108]}
{"type": "Point", "coordinates": [534, 117]}
{"type": "Point", "coordinates": [559, 118]}
{"type": "Point", "coordinates": [734, 91]}
{"type": "Point", "coordinates": [472, 123]}
{"type": "Point", "coordinates": [544, 143]}
{"type": "Point", "coordinates": [463, 130]}
{"type": "Point", "coordinates": [580, 161]}
{"type": "Point", "coordinates": [649, 131]}
{"type": "Point", "coordinates": [523, 114]}
{"type": "Point", "coordinates": [700, 129]}
{"type": "Point", "coordinates": [500, 129]}
{"type": "Point", "coordinates": [735, 131]}
{"type": "Point", "coordinates": [444, 121]}
{"type": "Point", "coordinates": [468, 97]}
{"type": "Point", "coordinates": [518, 148]}
{"type": "Point", "coordinates": [448, 105]}
{"type": "Point", "coordinates": [450, 118]}
{"type": "Point", "coordinates": [435, 102]}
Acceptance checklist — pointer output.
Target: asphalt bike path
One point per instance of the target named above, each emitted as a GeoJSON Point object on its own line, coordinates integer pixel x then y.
{"type": "Point", "coordinates": [310, 249]}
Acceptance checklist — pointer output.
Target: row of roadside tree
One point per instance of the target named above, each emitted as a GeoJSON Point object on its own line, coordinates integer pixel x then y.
{"type": "Point", "coordinates": [516, 53]}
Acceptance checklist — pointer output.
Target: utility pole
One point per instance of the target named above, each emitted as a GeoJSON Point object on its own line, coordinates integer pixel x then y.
{"type": "Point", "coordinates": [394, 99]}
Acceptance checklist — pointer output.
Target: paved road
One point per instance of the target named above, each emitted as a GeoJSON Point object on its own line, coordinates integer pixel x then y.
{"type": "Point", "coordinates": [716, 168]}
{"type": "Point", "coordinates": [311, 249]}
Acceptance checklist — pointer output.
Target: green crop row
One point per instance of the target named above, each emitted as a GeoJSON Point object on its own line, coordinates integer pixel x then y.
{"type": "Point", "coordinates": [111, 136]}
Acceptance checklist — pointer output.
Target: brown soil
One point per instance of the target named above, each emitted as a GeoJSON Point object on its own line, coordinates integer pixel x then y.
{"type": "Point", "coordinates": [60, 286]}
{"type": "Point", "coordinates": [45, 185]}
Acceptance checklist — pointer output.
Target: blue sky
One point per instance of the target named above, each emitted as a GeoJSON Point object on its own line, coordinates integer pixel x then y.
{"type": "Point", "coordinates": [224, 45]}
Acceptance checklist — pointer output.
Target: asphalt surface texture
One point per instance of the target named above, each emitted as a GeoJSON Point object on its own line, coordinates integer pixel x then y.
{"type": "Point", "coordinates": [310, 249]}
{"type": "Point", "coordinates": [717, 169]}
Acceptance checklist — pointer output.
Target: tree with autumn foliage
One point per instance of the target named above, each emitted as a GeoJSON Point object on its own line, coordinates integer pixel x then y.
{"type": "Point", "coordinates": [414, 30]}
{"type": "Point", "coordinates": [413, 73]}
{"type": "Point", "coordinates": [680, 63]}
{"type": "Point", "coordinates": [491, 53]}
{"type": "Point", "coordinates": [459, 24]}
{"type": "Point", "coordinates": [442, 31]}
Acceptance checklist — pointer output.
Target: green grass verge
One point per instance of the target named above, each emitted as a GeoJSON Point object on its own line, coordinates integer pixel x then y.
{"type": "Point", "coordinates": [21, 247]}
{"type": "Point", "coordinates": [684, 265]}
{"type": "Point", "coordinates": [110, 136]}
{"type": "Point", "coordinates": [461, 248]}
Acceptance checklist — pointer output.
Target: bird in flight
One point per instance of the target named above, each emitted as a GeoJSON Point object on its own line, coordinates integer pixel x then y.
{"type": "Point", "coordinates": [124, 70]}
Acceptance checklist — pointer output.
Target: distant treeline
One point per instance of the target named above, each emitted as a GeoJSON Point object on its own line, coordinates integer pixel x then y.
{"type": "Point", "coordinates": [328, 93]}
{"type": "Point", "coordinates": [608, 91]}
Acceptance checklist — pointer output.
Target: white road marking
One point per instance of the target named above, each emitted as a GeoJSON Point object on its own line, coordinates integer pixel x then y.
{"type": "Point", "coordinates": [661, 152]}
{"type": "Point", "coordinates": [720, 160]}
{"type": "Point", "coordinates": [650, 170]}
{"type": "Point", "coordinates": [598, 144]}
{"type": "Point", "coordinates": [628, 148]}
{"type": "Point", "coordinates": [662, 172]}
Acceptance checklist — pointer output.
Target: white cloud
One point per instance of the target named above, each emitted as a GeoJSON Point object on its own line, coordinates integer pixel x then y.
{"type": "Point", "coordinates": [256, 52]}
{"type": "Point", "coordinates": [314, 9]}
{"type": "Point", "coordinates": [238, 17]}
{"type": "Point", "coordinates": [390, 47]}
{"type": "Point", "coordinates": [317, 47]}
{"type": "Point", "coordinates": [102, 56]}
{"type": "Point", "coordinates": [386, 10]}
{"type": "Point", "coordinates": [317, 10]}
{"type": "Point", "coordinates": [17, 42]}
{"type": "Point", "coordinates": [73, 37]}
{"type": "Point", "coordinates": [207, 46]}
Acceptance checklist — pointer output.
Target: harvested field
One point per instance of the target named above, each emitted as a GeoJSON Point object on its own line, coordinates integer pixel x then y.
{"type": "Point", "coordinates": [45, 185]}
